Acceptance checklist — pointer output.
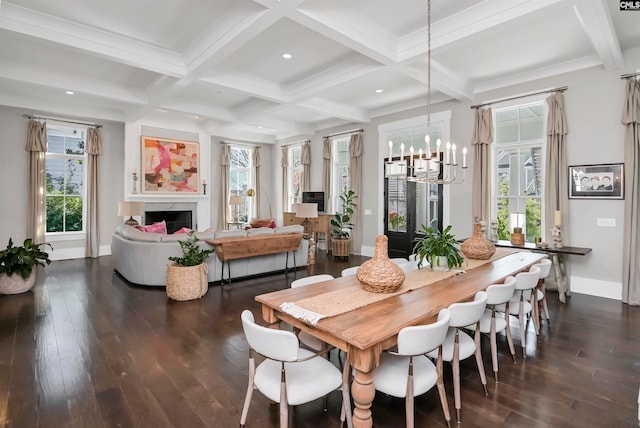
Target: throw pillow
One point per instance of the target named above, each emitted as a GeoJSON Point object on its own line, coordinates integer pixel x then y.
{"type": "Point", "coordinates": [272, 225]}
{"type": "Point", "coordinates": [261, 222]}
{"type": "Point", "coordinates": [159, 227]}
{"type": "Point", "coordinates": [182, 230]}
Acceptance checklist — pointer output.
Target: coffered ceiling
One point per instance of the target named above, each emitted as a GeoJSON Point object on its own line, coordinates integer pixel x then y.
{"type": "Point", "coordinates": [216, 66]}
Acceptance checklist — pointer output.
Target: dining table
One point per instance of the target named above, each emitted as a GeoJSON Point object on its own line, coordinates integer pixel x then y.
{"type": "Point", "coordinates": [363, 324]}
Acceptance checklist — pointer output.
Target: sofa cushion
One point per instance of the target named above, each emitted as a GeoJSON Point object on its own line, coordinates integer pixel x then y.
{"type": "Point", "coordinates": [159, 227]}
{"type": "Point", "coordinates": [260, 231]}
{"type": "Point", "coordinates": [294, 228]}
{"type": "Point", "coordinates": [202, 236]}
{"type": "Point", "coordinates": [133, 234]}
{"type": "Point", "coordinates": [221, 234]}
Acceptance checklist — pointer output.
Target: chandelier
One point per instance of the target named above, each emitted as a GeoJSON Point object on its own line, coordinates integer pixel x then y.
{"type": "Point", "coordinates": [439, 167]}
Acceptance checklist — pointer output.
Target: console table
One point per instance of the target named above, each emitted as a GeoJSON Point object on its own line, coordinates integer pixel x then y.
{"type": "Point", "coordinates": [557, 257]}
{"type": "Point", "coordinates": [320, 224]}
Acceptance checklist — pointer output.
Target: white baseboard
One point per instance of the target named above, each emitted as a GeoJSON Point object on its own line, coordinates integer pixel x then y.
{"type": "Point", "coordinates": [596, 287]}
{"type": "Point", "coordinates": [367, 251]}
{"type": "Point", "coordinates": [76, 253]}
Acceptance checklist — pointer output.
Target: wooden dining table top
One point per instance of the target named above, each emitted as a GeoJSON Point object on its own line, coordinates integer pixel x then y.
{"type": "Point", "coordinates": [363, 333]}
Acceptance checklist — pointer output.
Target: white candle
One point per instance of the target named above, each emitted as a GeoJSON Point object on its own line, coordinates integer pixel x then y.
{"type": "Point", "coordinates": [558, 218]}
{"type": "Point", "coordinates": [448, 154]}
{"type": "Point", "coordinates": [427, 141]}
{"type": "Point", "coordinates": [390, 150]}
{"type": "Point", "coordinates": [411, 152]}
{"type": "Point", "coordinates": [464, 157]}
{"type": "Point", "coordinates": [204, 181]}
{"type": "Point", "coordinates": [438, 144]}
{"type": "Point", "coordinates": [420, 153]}
{"type": "Point", "coordinates": [453, 149]}
{"type": "Point", "coordinates": [401, 151]}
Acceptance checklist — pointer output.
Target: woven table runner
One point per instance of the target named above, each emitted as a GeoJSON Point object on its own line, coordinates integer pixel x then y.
{"type": "Point", "coordinates": [313, 309]}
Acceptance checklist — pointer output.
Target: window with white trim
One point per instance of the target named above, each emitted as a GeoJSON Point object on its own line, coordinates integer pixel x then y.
{"type": "Point", "coordinates": [65, 177]}
{"type": "Point", "coordinates": [241, 179]}
{"type": "Point", "coordinates": [518, 159]}
{"type": "Point", "coordinates": [295, 172]}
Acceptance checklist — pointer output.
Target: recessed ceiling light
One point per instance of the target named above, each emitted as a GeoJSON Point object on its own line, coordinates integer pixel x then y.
{"type": "Point", "coordinates": [196, 116]}
{"type": "Point", "coordinates": [69, 92]}
{"type": "Point", "coordinates": [379, 91]}
{"type": "Point", "coordinates": [287, 56]}
{"type": "Point", "coordinates": [259, 126]}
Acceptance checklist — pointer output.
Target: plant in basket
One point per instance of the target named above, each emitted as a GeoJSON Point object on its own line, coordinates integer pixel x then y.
{"type": "Point", "coordinates": [187, 276]}
{"type": "Point", "coordinates": [17, 265]}
{"type": "Point", "coordinates": [341, 222]}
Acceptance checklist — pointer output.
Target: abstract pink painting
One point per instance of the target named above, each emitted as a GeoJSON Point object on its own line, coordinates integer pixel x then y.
{"type": "Point", "coordinates": [170, 166]}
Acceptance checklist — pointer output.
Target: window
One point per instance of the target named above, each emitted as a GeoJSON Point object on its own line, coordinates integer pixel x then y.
{"type": "Point", "coordinates": [295, 170]}
{"type": "Point", "coordinates": [340, 170]}
{"type": "Point", "coordinates": [519, 175]}
{"type": "Point", "coordinates": [241, 179]}
{"type": "Point", "coordinates": [65, 178]}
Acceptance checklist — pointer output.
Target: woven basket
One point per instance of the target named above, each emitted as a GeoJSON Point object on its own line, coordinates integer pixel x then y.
{"type": "Point", "coordinates": [341, 247]}
{"type": "Point", "coordinates": [15, 284]}
{"type": "Point", "coordinates": [187, 282]}
{"type": "Point", "coordinates": [477, 247]}
{"type": "Point", "coordinates": [379, 274]}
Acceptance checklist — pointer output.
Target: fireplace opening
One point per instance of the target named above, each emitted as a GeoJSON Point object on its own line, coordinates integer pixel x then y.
{"type": "Point", "coordinates": [174, 219]}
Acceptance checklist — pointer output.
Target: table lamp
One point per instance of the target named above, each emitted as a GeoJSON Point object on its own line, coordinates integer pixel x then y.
{"type": "Point", "coordinates": [307, 211]}
{"type": "Point", "coordinates": [130, 208]}
{"type": "Point", "coordinates": [235, 200]}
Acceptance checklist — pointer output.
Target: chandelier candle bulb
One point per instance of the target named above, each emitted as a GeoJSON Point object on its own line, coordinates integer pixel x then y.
{"type": "Point", "coordinates": [464, 157]}
{"type": "Point", "coordinates": [411, 152]}
{"type": "Point", "coordinates": [390, 150]}
{"type": "Point", "coordinates": [448, 155]}
{"type": "Point", "coordinates": [420, 153]}
{"type": "Point", "coordinates": [427, 141]}
{"type": "Point", "coordinates": [453, 149]}
{"type": "Point", "coordinates": [401, 152]}
{"type": "Point", "coordinates": [438, 144]}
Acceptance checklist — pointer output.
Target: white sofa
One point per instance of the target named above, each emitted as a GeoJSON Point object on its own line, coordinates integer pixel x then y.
{"type": "Point", "coordinates": [142, 257]}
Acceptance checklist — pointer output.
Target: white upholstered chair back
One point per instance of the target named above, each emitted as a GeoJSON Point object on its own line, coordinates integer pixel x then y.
{"type": "Point", "coordinates": [420, 339]}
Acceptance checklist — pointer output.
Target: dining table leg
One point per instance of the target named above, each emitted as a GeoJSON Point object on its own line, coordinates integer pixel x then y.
{"type": "Point", "coordinates": [363, 392]}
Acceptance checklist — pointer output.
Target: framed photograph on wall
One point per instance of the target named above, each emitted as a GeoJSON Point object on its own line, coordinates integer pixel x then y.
{"type": "Point", "coordinates": [170, 166]}
{"type": "Point", "coordinates": [604, 181]}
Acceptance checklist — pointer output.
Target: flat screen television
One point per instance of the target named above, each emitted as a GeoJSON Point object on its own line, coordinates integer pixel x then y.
{"type": "Point", "coordinates": [314, 197]}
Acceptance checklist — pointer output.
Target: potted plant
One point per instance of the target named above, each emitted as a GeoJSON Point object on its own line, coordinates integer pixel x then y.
{"type": "Point", "coordinates": [17, 273]}
{"type": "Point", "coordinates": [341, 222]}
{"type": "Point", "coordinates": [187, 276]}
{"type": "Point", "coordinates": [439, 248]}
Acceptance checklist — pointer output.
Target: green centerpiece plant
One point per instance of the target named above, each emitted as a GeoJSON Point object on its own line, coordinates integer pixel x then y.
{"type": "Point", "coordinates": [437, 248]}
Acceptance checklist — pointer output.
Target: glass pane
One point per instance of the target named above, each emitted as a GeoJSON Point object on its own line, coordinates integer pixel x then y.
{"type": "Point", "coordinates": [55, 141]}
{"type": "Point", "coordinates": [533, 218]}
{"type": "Point", "coordinates": [506, 125]}
{"type": "Point", "coordinates": [74, 142]}
{"type": "Point", "coordinates": [504, 231]}
{"type": "Point", "coordinates": [73, 214]}
{"type": "Point", "coordinates": [55, 213]}
{"type": "Point", "coordinates": [74, 176]}
{"type": "Point", "coordinates": [55, 175]}
{"type": "Point", "coordinates": [397, 194]}
{"type": "Point", "coordinates": [531, 122]}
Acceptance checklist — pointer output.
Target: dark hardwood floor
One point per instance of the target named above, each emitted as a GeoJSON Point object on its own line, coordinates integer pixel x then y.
{"type": "Point", "coordinates": [87, 349]}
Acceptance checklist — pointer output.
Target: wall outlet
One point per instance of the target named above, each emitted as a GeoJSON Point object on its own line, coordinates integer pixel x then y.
{"type": "Point", "coordinates": [367, 212]}
{"type": "Point", "coordinates": [606, 222]}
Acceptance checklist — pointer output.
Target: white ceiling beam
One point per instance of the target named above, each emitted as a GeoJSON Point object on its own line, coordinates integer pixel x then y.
{"type": "Point", "coordinates": [248, 85]}
{"type": "Point", "coordinates": [53, 107]}
{"type": "Point", "coordinates": [595, 19]}
{"type": "Point", "coordinates": [97, 42]}
{"type": "Point", "coordinates": [343, 111]}
{"type": "Point", "coordinates": [73, 82]}
{"type": "Point", "coordinates": [198, 109]}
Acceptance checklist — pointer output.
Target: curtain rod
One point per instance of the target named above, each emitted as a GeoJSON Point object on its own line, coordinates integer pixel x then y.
{"type": "Point", "coordinates": [627, 76]}
{"type": "Point", "coordinates": [561, 89]}
{"type": "Point", "coordinates": [30, 116]}
{"type": "Point", "coordinates": [295, 142]}
{"type": "Point", "coordinates": [353, 131]}
{"type": "Point", "coordinates": [235, 143]}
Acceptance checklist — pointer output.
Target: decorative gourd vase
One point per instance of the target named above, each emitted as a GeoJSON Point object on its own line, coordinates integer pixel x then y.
{"type": "Point", "coordinates": [379, 274]}
{"type": "Point", "coordinates": [478, 247]}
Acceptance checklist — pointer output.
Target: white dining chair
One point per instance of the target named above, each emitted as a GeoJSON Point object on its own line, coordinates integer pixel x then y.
{"type": "Point", "coordinates": [407, 372]}
{"type": "Point", "coordinates": [350, 271]}
{"type": "Point", "coordinates": [541, 291]}
{"type": "Point", "coordinates": [288, 375]}
{"type": "Point", "coordinates": [522, 302]}
{"type": "Point", "coordinates": [491, 323]}
{"type": "Point", "coordinates": [458, 345]}
{"type": "Point", "coordinates": [307, 339]}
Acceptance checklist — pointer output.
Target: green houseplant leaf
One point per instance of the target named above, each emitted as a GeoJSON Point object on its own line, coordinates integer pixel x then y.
{"type": "Point", "coordinates": [436, 244]}
{"type": "Point", "coordinates": [21, 260]}
{"type": "Point", "coordinates": [192, 254]}
{"type": "Point", "coordinates": [341, 221]}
